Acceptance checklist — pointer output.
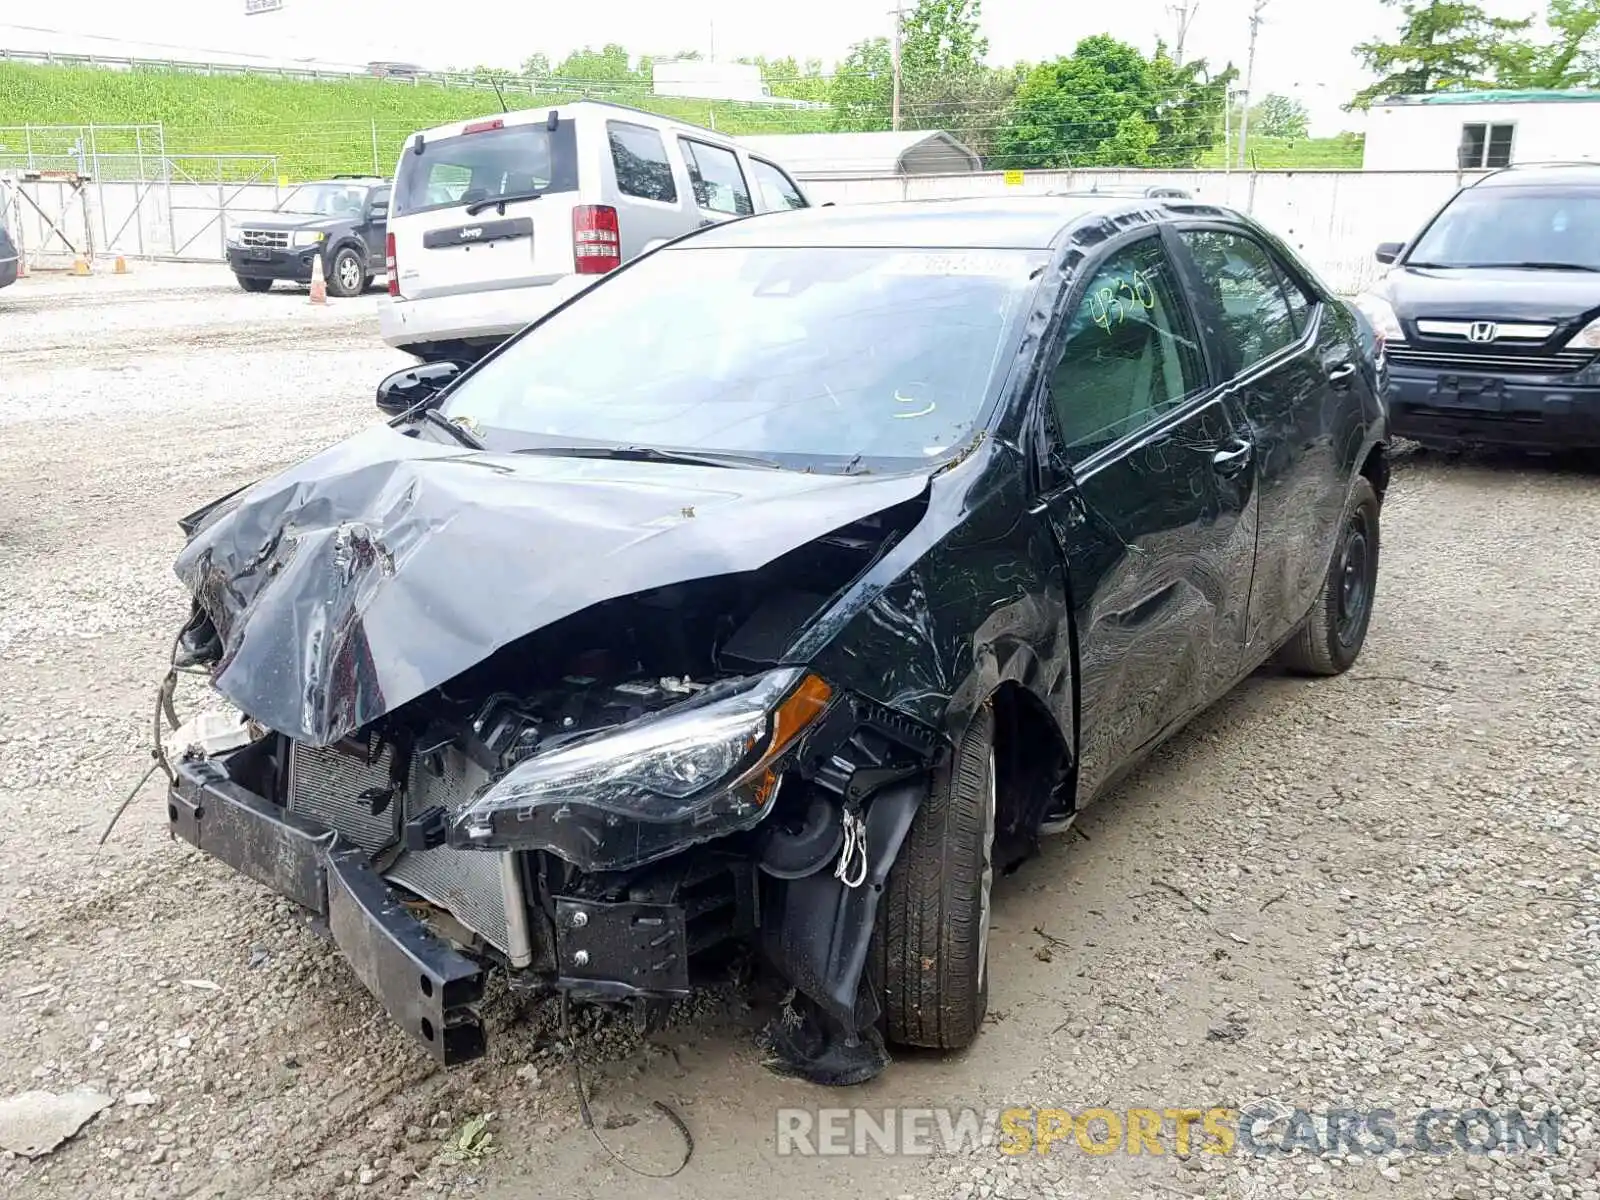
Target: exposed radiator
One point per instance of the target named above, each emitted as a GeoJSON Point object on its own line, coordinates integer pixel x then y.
{"type": "Point", "coordinates": [326, 786]}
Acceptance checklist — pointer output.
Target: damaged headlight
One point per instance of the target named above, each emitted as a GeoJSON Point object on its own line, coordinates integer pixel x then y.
{"type": "Point", "coordinates": [654, 786]}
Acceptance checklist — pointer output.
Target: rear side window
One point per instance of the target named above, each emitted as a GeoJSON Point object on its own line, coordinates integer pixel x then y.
{"type": "Point", "coordinates": [777, 189]}
{"type": "Point", "coordinates": [643, 168]}
{"type": "Point", "coordinates": [516, 160]}
{"type": "Point", "coordinates": [719, 184]}
{"type": "Point", "coordinates": [1245, 285]}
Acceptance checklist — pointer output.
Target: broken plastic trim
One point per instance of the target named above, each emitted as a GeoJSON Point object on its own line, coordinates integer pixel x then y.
{"type": "Point", "coordinates": [654, 786]}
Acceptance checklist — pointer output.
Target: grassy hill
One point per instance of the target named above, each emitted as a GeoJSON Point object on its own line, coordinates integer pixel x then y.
{"type": "Point", "coordinates": [315, 128]}
{"type": "Point", "coordinates": [1304, 154]}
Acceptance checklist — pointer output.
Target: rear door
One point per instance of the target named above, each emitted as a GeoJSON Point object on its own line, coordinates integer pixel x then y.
{"type": "Point", "coordinates": [720, 188]}
{"type": "Point", "coordinates": [1156, 512]}
{"type": "Point", "coordinates": [1292, 361]}
{"type": "Point", "coordinates": [651, 192]}
{"type": "Point", "coordinates": [489, 207]}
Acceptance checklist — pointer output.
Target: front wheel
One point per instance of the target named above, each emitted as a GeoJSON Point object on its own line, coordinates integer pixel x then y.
{"type": "Point", "coordinates": [348, 274]}
{"type": "Point", "coordinates": [253, 285]}
{"type": "Point", "coordinates": [933, 919]}
{"type": "Point", "coordinates": [1330, 639]}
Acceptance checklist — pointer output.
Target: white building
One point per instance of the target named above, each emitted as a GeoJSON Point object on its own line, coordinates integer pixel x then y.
{"type": "Point", "coordinates": [864, 155]}
{"type": "Point", "coordinates": [701, 80]}
{"type": "Point", "coordinates": [1449, 131]}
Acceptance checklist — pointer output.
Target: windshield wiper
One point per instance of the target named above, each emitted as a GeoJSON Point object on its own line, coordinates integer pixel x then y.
{"type": "Point", "coordinates": [1544, 266]}
{"type": "Point", "coordinates": [477, 206]}
{"type": "Point", "coordinates": [697, 458]}
{"type": "Point", "coordinates": [460, 432]}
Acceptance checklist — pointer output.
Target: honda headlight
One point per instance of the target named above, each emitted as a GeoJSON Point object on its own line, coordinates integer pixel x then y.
{"type": "Point", "coordinates": [1382, 315]}
{"type": "Point", "coordinates": [1587, 338]}
{"type": "Point", "coordinates": [308, 237]}
{"type": "Point", "coordinates": [655, 785]}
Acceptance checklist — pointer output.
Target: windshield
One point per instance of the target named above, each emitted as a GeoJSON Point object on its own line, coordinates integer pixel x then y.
{"type": "Point", "coordinates": [794, 354]}
{"type": "Point", "coordinates": [509, 160]}
{"type": "Point", "coordinates": [325, 200]}
{"type": "Point", "coordinates": [1487, 227]}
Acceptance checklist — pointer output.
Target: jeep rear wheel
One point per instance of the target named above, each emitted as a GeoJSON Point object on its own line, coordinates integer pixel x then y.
{"type": "Point", "coordinates": [933, 920]}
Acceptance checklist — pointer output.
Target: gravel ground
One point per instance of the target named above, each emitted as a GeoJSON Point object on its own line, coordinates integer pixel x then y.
{"type": "Point", "coordinates": [1381, 891]}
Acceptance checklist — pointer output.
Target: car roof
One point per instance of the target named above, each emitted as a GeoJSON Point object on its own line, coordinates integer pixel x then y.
{"type": "Point", "coordinates": [981, 222]}
{"type": "Point", "coordinates": [1566, 174]}
{"type": "Point", "coordinates": [567, 110]}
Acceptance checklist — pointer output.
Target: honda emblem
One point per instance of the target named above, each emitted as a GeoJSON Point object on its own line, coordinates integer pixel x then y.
{"type": "Point", "coordinates": [1482, 331]}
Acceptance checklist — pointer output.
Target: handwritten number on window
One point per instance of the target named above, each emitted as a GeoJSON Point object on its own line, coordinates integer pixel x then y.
{"type": "Point", "coordinates": [1111, 303]}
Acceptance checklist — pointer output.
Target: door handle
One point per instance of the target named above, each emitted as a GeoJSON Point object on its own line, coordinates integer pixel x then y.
{"type": "Point", "coordinates": [1234, 460]}
{"type": "Point", "coordinates": [1340, 375]}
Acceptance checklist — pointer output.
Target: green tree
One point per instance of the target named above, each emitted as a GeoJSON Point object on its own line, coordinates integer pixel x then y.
{"type": "Point", "coordinates": [1107, 105]}
{"type": "Point", "coordinates": [863, 87]}
{"type": "Point", "coordinates": [792, 80]}
{"type": "Point", "coordinates": [536, 66]}
{"type": "Point", "coordinates": [1280, 117]}
{"type": "Point", "coordinates": [1573, 58]}
{"type": "Point", "coordinates": [1444, 45]}
{"type": "Point", "coordinates": [608, 65]}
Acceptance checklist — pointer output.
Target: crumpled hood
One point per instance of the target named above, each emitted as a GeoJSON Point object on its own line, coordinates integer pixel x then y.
{"type": "Point", "coordinates": [387, 565]}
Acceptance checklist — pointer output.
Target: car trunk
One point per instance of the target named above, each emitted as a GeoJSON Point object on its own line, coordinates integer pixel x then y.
{"type": "Point", "coordinates": [449, 241]}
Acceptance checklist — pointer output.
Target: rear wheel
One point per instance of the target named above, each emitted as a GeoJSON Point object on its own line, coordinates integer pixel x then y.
{"type": "Point", "coordinates": [933, 921]}
{"type": "Point", "coordinates": [347, 275]}
{"type": "Point", "coordinates": [1330, 640]}
{"type": "Point", "coordinates": [253, 285]}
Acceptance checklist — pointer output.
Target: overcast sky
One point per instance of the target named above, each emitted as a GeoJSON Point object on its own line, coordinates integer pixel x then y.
{"type": "Point", "coordinates": [1303, 50]}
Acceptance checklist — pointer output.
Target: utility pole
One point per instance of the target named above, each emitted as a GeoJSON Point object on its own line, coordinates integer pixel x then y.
{"type": "Point", "coordinates": [1183, 13]}
{"type": "Point", "coordinates": [1249, 74]}
{"type": "Point", "coordinates": [898, 15]}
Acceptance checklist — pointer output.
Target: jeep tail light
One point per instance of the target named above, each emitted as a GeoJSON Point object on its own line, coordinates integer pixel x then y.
{"type": "Point", "coordinates": [596, 242]}
{"type": "Point", "coordinates": [389, 265]}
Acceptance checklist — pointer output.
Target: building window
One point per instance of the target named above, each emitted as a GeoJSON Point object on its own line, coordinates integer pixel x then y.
{"type": "Point", "coordinates": [1484, 146]}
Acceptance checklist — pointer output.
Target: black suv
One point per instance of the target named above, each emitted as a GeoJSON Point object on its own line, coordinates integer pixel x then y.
{"type": "Point", "coordinates": [343, 219]}
{"type": "Point", "coordinates": [1491, 315]}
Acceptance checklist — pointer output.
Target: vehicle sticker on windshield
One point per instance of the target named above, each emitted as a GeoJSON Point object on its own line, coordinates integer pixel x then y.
{"type": "Point", "coordinates": [928, 262]}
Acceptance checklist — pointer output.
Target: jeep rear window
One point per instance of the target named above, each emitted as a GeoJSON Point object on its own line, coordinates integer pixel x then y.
{"type": "Point", "coordinates": [510, 161]}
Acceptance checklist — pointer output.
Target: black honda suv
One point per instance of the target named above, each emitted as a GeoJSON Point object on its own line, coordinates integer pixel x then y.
{"type": "Point", "coordinates": [343, 220]}
{"type": "Point", "coordinates": [1491, 315]}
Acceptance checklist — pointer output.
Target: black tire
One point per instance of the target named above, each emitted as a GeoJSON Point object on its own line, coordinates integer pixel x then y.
{"type": "Point", "coordinates": [1329, 641]}
{"type": "Point", "coordinates": [253, 285]}
{"type": "Point", "coordinates": [347, 274]}
{"type": "Point", "coordinates": [933, 918]}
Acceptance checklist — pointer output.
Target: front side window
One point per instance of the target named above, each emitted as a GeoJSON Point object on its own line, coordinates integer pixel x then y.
{"type": "Point", "coordinates": [1247, 289]}
{"type": "Point", "coordinates": [811, 356]}
{"type": "Point", "coordinates": [325, 200]}
{"type": "Point", "coordinates": [778, 191]}
{"type": "Point", "coordinates": [1128, 353]}
{"type": "Point", "coordinates": [1483, 145]}
{"type": "Point", "coordinates": [643, 168]}
{"type": "Point", "coordinates": [719, 184]}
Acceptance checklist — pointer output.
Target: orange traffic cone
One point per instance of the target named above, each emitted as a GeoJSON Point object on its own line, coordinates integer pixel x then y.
{"type": "Point", "coordinates": [122, 265]}
{"type": "Point", "coordinates": [80, 265]}
{"type": "Point", "coordinates": [319, 285]}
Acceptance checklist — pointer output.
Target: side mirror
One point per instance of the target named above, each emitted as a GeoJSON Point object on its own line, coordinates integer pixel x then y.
{"type": "Point", "coordinates": [1389, 251]}
{"type": "Point", "coordinates": [380, 212]}
{"type": "Point", "coordinates": [416, 386]}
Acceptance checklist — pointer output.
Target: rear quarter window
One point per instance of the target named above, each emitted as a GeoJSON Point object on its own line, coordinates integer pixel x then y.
{"type": "Point", "coordinates": [640, 158]}
{"type": "Point", "coordinates": [511, 161]}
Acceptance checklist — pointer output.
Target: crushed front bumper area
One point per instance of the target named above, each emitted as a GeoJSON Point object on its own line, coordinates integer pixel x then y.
{"type": "Point", "coordinates": [423, 983]}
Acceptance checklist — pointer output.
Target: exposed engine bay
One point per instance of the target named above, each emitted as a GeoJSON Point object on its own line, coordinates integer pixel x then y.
{"type": "Point", "coordinates": [754, 804]}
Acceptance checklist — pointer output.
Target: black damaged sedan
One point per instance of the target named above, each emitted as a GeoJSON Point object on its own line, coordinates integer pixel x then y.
{"type": "Point", "coordinates": [780, 590]}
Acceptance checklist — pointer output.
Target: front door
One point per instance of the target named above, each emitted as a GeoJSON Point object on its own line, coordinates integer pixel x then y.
{"type": "Point", "coordinates": [720, 188]}
{"type": "Point", "coordinates": [1157, 523]}
{"type": "Point", "coordinates": [374, 234]}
